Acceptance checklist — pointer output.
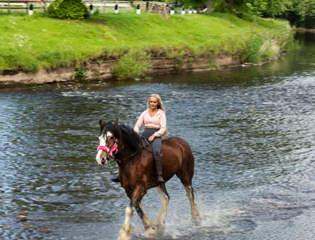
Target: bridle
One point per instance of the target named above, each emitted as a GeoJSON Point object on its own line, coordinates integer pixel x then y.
{"type": "Point", "coordinates": [111, 150]}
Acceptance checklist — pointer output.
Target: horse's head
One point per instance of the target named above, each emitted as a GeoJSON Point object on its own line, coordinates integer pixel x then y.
{"type": "Point", "coordinates": [108, 145]}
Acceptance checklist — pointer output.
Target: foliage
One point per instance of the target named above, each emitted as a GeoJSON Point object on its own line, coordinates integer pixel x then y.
{"type": "Point", "coordinates": [260, 49]}
{"type": "Point", "coordinates": [299, 12]}
{"type": "Point", "coordinates": [133, 65]}
{"type": "Point", "coordinates": [252, 52]}
{"type": "Point", "coordinates": [301, 9]}
{"type": "Point", "coordinates": [302, 13]}
{"type": "Point", "coordinates": [68, 9]}
{"type": "Point", "coordinates": [191, 3]}
{"type": "Point", "coordinates": [197, 4]}
{"type": "Point", "coordinates": [80, 73]}
{"type": "Point", "coordinates": [269, 8]}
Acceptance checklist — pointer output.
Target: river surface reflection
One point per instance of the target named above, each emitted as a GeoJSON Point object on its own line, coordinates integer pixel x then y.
{"type": "Point", "coordinates": [252, 131]}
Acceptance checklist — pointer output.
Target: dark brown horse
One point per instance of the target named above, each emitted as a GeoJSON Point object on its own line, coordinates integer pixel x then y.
{"type": "Point", "coordinates": [137, 171]}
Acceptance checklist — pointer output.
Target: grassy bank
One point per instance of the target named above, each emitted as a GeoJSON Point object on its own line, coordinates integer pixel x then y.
{"type": "Point", "coordinates": [32, 43]}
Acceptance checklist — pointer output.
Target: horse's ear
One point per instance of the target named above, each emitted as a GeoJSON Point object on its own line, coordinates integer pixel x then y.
{"type": "Point", "coordinates": [116, 122]}
{"type": "Point", "coordinates": [117, 128]}
{"type": "Point", "coordinates": [102, 124]}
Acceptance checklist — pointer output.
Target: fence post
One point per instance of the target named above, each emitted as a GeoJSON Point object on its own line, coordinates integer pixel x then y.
{"type": "Point", "coordinates": [30, 9]}
{"type": "Point", "coordinates": [138, 9]}
{"type": "Point", "coordinates": [91, 8]}
{"type": "Point", "coordinates": [116, 8]}
{"type": "Point", "coordinates": [9, 6]}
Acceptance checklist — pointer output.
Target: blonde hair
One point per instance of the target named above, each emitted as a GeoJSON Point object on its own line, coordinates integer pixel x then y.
{"type": "Point", "coordinates": [160, 102]}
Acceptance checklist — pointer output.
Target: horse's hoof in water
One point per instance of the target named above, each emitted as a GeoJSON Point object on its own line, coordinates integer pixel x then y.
{"type": "Point", "coordinates": [159, 226]}
{"type": "Point", "coordinates": [151, 232]}
{"type": "Point", "coordinates": [154, 231]}
{"type": "Point", "coordinates": [125, 233]}
{"type": "Point", "coordinates": [197, 220]}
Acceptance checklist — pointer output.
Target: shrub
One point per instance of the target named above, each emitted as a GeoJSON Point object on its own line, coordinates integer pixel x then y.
{"type": "Point", "coordinates": [80, 73]}
{"type": "Point", "coordinates": [68, 9]}
{"type": "Point", "coordinates": [132, 65]}
{"type": "Point", "coordinates": [252, 52]}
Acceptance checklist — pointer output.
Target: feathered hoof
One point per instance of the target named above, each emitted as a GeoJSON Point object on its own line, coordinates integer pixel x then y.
{"type": "Point", "coordinates": [197, 220]}
{"type": "Point", "coordinates": [154, 231]}
{"type": "Point", "coordinates": [125, 233]}
{"type": "Point", "coordinates": [151, 232]}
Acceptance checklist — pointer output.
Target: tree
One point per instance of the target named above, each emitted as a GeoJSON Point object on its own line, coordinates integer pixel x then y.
{"type": "Point", "coordinates": [299, 12]}
{"type": "Point", "coordinates": [302, 13]}
{"type": "Point", "coordinates": [193, 3]}
{"type": "Point", "coordinates": [70, 9]}
{"type": "Point", "coordinates": [268, 8]}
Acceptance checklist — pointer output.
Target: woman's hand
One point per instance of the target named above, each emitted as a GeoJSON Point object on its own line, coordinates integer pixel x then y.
{"type": "Point", "coordinates": [151, 138]}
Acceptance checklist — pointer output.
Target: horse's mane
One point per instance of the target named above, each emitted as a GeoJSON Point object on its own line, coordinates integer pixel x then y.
{"type": "Point", "coordinates": [130, 137]}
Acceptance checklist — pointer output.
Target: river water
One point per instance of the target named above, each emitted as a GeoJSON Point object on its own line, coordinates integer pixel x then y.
{"type": "Point", "coordinates": [252, 131]}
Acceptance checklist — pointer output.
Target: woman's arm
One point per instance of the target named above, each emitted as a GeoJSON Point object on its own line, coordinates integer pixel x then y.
{"type": "Point", "coordinates": [139, 123]}
{"type": "Point", "coordinates": [162, 130]}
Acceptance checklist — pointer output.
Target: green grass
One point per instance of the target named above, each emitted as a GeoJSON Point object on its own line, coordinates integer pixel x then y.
{"type": "Point", "coordinates": [31, 43]}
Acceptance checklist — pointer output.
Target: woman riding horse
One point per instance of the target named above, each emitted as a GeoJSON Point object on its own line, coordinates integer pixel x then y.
{"type": "Point", "coordinates": [154, 121]}
{"type": "Point", "coordinates": [137, 171]}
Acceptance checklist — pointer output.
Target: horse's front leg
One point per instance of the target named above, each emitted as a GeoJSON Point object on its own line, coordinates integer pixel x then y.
{"type": "Point", "coordinates": [153, 230]}
{"type": "Point", "coordinates": [150, 229]}
{"type": "Point", "coordinates": [136, 198]}
{"type": "Point", "coordinates": [145, 220]}
{"type": "Point", "coordinates": [125, 230]}
{"type": "Point", "coordinates": [164, 198]}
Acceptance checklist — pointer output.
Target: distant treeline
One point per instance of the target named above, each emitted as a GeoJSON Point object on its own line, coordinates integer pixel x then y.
{"type": "Point", "coordinates": [300, 13]}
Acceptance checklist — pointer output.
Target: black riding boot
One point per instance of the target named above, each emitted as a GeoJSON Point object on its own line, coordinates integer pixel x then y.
{"type": "Point", "coordinates": [158, 165]}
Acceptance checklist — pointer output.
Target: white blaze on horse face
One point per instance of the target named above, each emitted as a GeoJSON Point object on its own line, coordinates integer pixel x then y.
{"type": "Point", "coordinates": [102, 139]}
{"type": "Point", "coordinates": [109, 135]}
{"type": "Point", "coordinates": [101, 154]}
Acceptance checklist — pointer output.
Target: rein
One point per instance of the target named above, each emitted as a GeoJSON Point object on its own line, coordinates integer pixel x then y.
{"type": "Point", "coordinates": [113, 149]}
{"type": "Point", "coordinates": [145, 145]}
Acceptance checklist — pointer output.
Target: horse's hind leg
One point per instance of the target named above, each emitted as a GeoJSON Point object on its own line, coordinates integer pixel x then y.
{"type": "Point", "coordinates": [194, 210]}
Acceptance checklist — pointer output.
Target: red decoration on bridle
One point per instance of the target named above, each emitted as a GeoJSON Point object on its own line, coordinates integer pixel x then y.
{"type": "Point", "coordinates": [110, 151]}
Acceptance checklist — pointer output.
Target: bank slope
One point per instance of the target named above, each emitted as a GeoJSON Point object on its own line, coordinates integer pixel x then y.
{"type": "Point", "coordinates": [29, 44]}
